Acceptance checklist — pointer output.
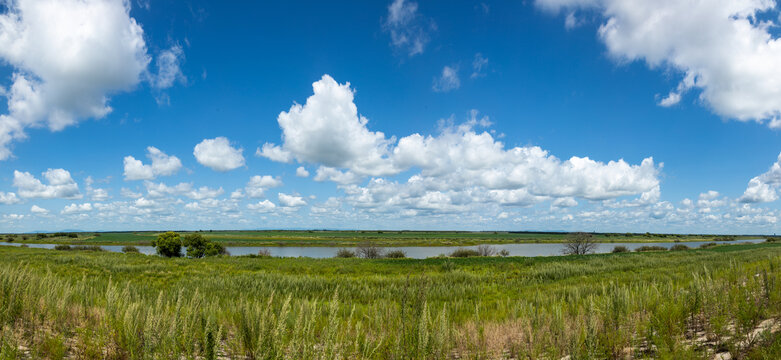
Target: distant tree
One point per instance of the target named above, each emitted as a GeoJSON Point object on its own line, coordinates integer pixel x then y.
{"type": "Point", "coordinates": [579, 243]}
{"type": "Point", "coordinates": [368, 251]}
{"type": "Point", "coordinates": [168, 244]}
{"type": "Point", "coordinates": [199, 246]}
{"type": "Point", "coordinates": [486, 250]}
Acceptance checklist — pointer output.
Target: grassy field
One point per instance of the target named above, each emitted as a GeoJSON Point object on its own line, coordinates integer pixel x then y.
{"type": "Point", "coordinates": [352, 238]}
{"type": "Point", "coordinates": [669, 305]}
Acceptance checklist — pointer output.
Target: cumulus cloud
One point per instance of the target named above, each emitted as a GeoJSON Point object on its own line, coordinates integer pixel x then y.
{"type": "Point", "coordinates": [447, 81]}
{"type": "Point", "coordinates": [35, 209]}
{"type": "Point", "coordinates": [459, 166]}
{"type": "Point", "coordinates": [409, 31]}
{"type": "Point", "coordinates": [286, 200]}
{"type": "Point", "coordinates": [168, 70]}
{"type": "Point", "coordinates": [67, 57]}
{"type": "Point", "coordinates": [77, 208]}
{"type": "Point", "coordinates": [720, 47]}
{"type": "Point", "coordinates": [302, 172]}
{"type": "Point", "coordinates": [328, 130]}
{"type": "Point", "coordinates": [162, 165]}
{"type": "Point", "coordinates": [262, 206]}
{"type": "Point", "coordinates": [764, 188]}
{"type": "Point", "coordinates": [60, 185]}
{"type": "Point", "coordinates": [8, 198]}
{"type": "Point", "coordinates": [258, 184]}
{"type": "Point", "coordinates": [218, 154]}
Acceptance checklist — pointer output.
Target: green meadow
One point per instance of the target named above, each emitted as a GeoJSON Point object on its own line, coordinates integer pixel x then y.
{"type": "Point", "coordinates": [339, 238]}
{"type": "Point", "coordinates": [688, 304]}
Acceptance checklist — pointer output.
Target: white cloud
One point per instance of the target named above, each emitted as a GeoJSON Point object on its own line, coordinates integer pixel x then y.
{"type": "Point", "coordinates": [130, 193]}
{"type": "Point", "coordinates": [325, 173]}
{"type": "Point", "coordinates": [67, 57]}
{"type": "Point", "coordinates": [77, 208]}
{"type": "Point", "coordinates": [204, 192]}
{"type": "Point", "coordinates": [8, 198]}
{"type": "Point", "coordinates": [286, 200]}
{"type": "Point", "coordinates": [61, 185]}
{"type": "Point", "coordinates": [328, 130]}
{"type": "Point", "coordinates": [764, 188]}
{"type": "Point", "coordinates": [478, 66]}
{"type": "Point", "coordinates": [302, 172]}
{"type": "Point", "coordinates": [98, 194]}
{"type": "Point", "coordinates": [409, 31]}
{"type": "Point", "coordinates": [447, 81]}
{"type": "Point", "coordinates": [168, 70]}
{"type": "Point", "coordinates": [218, 154]}
{"type": "Point", "coordinates": [162, 165]}
{"type": "Point", "coordinates": [721, 47]}
{"type": "Point", "coordinates": [262, 206]}
{"type": "Point", "coordinates": [35, 209]}
{"type": "Point", "coordinates": [258, 184]}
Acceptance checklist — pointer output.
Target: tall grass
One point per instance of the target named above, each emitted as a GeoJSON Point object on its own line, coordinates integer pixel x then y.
{"type": "Point", "coordinates": [90, 305]}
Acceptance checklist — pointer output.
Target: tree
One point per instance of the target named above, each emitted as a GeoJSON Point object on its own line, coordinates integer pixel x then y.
{"type": "Point", "coordinates": [168, 244]}
{"type": "Point", "coordinates": [199, 246]}
{"type": "Point", "coordinates": [579, 243]}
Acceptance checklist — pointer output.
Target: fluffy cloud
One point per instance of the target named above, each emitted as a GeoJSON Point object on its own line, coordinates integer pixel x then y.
{"type": "Point", "coordinates": [218, 154]}
{"type": "Point", "coordinates": [459, 166]}
{"type": "Point", "coordinates": [161, 190]}
{"type": "Point", "coordinates": [721, 47]}
{"type": "Point", "coordinates": [162, 165]}
{"type": "Point", "coordinates": [8, 198]}
{"type": "Point", "coordinates": [67, 56]}
{"type": "Point", "coordinates": [302, 172]}
{"type": "Point", "coordinates": [262, 206]}
{"type": "Point", "coordinates": [409, 31]}
{"type": "Point", "coordinates": [763, 188]}
{"type": "Point", "coordinates": [447, 81]}
{"type": "Point", "coordinates": [77, 208]}
{"type": "Point", "coordinates": [291, 200]}
{"type": "Point", "coordinates": [328, 130]}
{"type": "Point", "coordinates": [258, 184]}
{"type": "Point", "coordinates": [35, 209]}
{"type": "Point", "coordinates": [61, 185]}
{"type": "Point", "coordinates": [168, 70]}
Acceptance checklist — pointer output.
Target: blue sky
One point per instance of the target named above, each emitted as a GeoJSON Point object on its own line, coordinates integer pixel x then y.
{"type": "Point", "coordinates": [543, 115]}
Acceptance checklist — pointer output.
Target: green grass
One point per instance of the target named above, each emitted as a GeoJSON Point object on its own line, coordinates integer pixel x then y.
{"type": "Point", "coordinates": [130, 306]}
{"type": "Point", "coordinates": [352, 238]}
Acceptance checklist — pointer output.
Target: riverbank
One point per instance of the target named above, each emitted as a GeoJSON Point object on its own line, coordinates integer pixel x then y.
{"type": "Point", "coordinates": [76, 304]}
{"type": "Point", "coordinates": [304, 238]}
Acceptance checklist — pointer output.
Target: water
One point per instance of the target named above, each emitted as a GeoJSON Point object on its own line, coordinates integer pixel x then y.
{"type": "Point", "coordinates": [415, 252]}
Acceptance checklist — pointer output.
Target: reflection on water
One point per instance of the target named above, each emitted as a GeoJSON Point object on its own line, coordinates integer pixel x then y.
{"type": "Point", "coordinates": [416, 252]}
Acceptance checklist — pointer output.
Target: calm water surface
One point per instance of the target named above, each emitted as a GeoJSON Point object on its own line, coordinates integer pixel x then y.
{"type": "Point", "coordinates": [416, 252]}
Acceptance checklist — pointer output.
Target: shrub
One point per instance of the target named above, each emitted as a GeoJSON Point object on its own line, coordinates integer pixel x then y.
{"type": "Point", "coordinates": [264, 253]}
{"type": "Point", "coordinates": [199, 246]}
{"type": "Point", "coordinates": [769, 239]}
{"type": "Point", "coordinates": [650, 248]}
{"type": "Point", "coordinates": [25, 246]}
{"type": "Point", "coordinates": [679, 247]}
{"type": "Point", "coordinates": [345, 253]}
{"type": "Point", "coordinates": [396, 254]}
{"type": "Point", "coordinates": [62, 247]}
{"type": "Point", "coordinates": [620, 249]}
{"type": "Point", "coordinates": [130, 249]}
{"type": "Point", "coordinates": [368, 251]}
{"type": "Point", "coordinates": [10, 238]}
{"type": "Point", "coordinates": [708, 245]}
{"type": "Point", "coordinates": [504, 253]}
{"type": "Point", "coordinates": [486, 250]}
{"type": "Point", "coordinates": [73, 235]}
{"type": "Point", "coordinates": [168, 244]}
{"type": "Point", "coordinates": [40, 236]}
{"type": "Point", "coordinates": [579, 243]}
{"type": "Point", "coordinates": [461, 252]}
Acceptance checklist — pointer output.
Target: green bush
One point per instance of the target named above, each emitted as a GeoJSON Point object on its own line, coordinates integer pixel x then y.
{"type": "Point", "coordinates": [396, 254]}
{"type": "Point", "coordinates": [679, 247]}
{"type": "Point", "coordinates": [62, 247]}
{"type": "Point", "coordinates": [130, 249]}
{"type": "Point", "coordinates": [199, 246]}
{"type": "Point", "coordinates": [345, 253]}
{"type": "Point", "coordinates": [168, 244]}
{"type": "Point", "coordinates": [708, 245]}
{"type": "Point", "coordinates": [504, 253]}
{"type": "Point", "coordinates": [461, 252]}
{"type": "Point", "coordinates": [620, 249]}
{"type": "Point", "coordinates": [651, 248]}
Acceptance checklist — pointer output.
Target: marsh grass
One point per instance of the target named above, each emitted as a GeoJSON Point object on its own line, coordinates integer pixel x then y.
{"type": "Point", "coordinates": [88, 305]}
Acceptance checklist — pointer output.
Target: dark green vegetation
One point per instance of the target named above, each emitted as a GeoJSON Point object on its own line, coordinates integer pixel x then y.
{"type": "Point", "coordinates": [169, 244]}
{"type": "Point", "coordinates": [669, 305]}
{"type": "Point", "coordinates": [354, 238]}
